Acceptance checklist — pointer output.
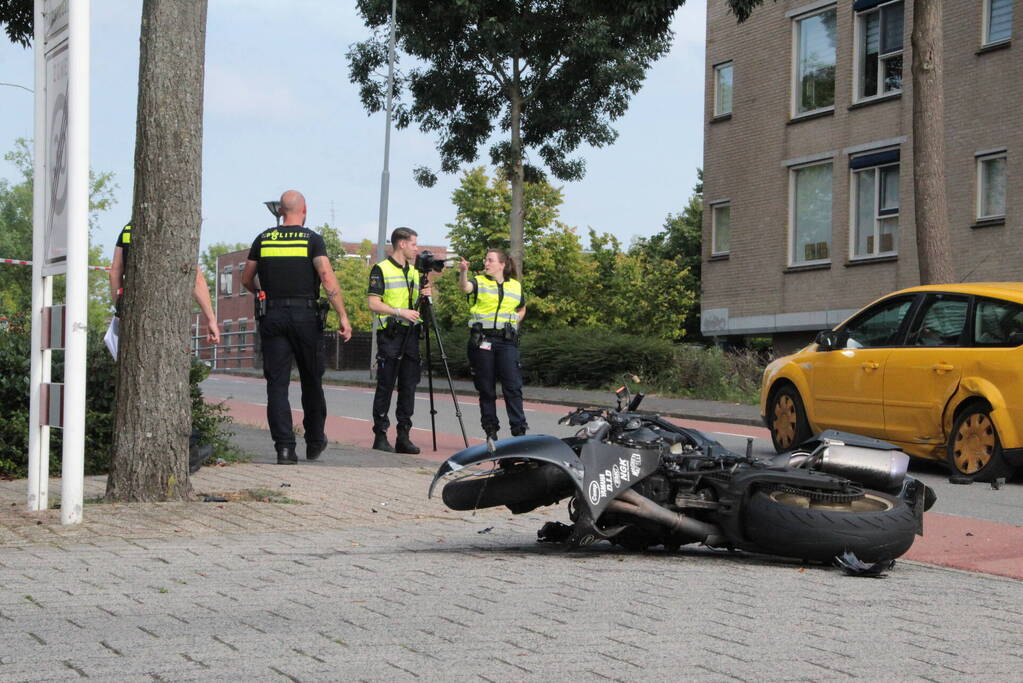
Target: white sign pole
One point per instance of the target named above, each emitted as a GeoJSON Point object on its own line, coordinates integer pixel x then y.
{"type": "Point", "coordinates": [76, 330]}
{"type": "Point", "coordinates": [38, 435]}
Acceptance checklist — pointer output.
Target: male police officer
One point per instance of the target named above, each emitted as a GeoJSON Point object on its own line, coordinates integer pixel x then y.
{"type": "Point", "coordinates": [200, 291]}
{"type": "Point", "coordinates": [291, 261]}
{"type": "Point", "coordinates": [394, 289]}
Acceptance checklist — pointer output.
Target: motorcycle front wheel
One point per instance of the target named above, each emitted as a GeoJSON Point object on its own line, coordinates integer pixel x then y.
{"type": "Point", "coordinates": [813, 527]}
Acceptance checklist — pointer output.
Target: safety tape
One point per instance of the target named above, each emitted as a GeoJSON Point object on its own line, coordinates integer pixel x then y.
{"type": "Point", "coordinates": [17, 262]}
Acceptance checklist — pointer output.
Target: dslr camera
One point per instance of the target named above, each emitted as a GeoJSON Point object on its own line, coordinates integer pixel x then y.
{"type": "Point", "coordinates": [426, 261]}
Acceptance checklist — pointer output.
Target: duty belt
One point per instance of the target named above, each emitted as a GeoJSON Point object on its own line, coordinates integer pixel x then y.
{"type": "Point", "coordinates": [295, 303]}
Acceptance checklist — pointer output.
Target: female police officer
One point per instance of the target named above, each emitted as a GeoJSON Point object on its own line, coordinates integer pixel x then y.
{"type": "Point", "coordinates": [497, 309]}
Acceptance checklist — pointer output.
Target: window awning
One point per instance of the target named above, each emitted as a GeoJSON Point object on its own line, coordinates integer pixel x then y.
{"type": "Point", "coordinates": [888, 156]}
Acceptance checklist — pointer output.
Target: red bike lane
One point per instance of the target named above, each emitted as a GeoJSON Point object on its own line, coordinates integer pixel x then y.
{"type": "Point", "coordinates": [948, 541]}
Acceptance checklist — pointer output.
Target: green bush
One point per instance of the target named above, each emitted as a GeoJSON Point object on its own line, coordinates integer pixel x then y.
{"type": "Point", "coordinates": [15, 355]}
{"type": "Point", "coordinates": [589, 357]}
{"type": "Point", "coordinates": [710, 373]}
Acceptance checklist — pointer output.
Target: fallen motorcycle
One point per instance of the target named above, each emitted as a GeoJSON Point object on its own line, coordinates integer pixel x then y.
{"type": "Point", "coordinates": [639, 481]}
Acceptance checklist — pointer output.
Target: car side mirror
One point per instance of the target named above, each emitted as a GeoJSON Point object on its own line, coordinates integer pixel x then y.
{"type": "Point", "coordinates": [830, 339]}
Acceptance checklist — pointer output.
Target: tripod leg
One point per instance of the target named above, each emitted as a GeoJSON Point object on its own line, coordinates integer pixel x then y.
{"type": "Point", "coordinates": [429, 381]}
{"type": "Point", "coordinates": [432, 323]}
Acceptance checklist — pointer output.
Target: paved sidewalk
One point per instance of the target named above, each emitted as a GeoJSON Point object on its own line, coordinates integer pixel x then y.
{"type": "Point", "coordinates": [685, 408]}
{"type": "Point", "coordinates": [365, 579]}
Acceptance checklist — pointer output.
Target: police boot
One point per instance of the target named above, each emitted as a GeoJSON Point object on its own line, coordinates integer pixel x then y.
{"type": "Point", "coordinates": [286, 455]}
{"type": "Point", "coordinates": [519, 430]}
{"type": "Point", "coordinates": [402, 444]}
{"type": "Point", "coordinates": [380, 442]}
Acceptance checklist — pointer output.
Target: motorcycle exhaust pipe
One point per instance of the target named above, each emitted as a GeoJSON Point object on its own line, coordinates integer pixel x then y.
{"type": "Point", "coordinates": [638, 505]}
{"type": "Point", "coordinates": [876, 469]}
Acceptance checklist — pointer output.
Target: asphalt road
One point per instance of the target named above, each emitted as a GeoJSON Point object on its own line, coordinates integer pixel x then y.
{"type": "Point", "coordinates": [977, 501]}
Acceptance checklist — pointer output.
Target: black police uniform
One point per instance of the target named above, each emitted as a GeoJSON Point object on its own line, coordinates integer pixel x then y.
{"type": "Point", "coordinates": [291, 326]}
{"type": "Point", "coordinates": [391, 344]}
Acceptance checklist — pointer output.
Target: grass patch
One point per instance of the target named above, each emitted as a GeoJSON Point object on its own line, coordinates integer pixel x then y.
{"type": "Point", "coordinates": [256, 496]}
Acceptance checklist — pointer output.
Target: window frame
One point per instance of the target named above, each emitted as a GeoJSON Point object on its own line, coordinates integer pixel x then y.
{"type": "Point", "coordinates": [730, 65]}
{"type": "Point", "coordinates": [714, 206]}
{"type": "Point", "coordinates": [985, 35]}
{"type": "Point", "coordinates": [226, 276]}
{"type": "Point", "coordinates": [924, 306]}
{"type": "Point", "coordinates": [859, 55]}
{"type": "Point", "coordinates": [241, 285]}
{"type": "Point", "coordinates": [790, 242]}
{"type": "Point", "coordinates": [794, 84]}
{"type": "Point", "coordinates": [981, 159]}
{"type": "Point", "coordinates": [879, 213]}
{"type": "Point", "coordinates": [899, 336]}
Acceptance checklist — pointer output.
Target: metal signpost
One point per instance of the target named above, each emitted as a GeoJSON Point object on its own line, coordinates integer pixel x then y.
{"type": "Point", "coordinates": [60, 245]}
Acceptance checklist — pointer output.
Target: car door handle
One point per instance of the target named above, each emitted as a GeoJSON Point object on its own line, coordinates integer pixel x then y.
{"type": "Point", "coordinates": [943, 367]}
{"type": "Point", "coordinates": [870, 365]}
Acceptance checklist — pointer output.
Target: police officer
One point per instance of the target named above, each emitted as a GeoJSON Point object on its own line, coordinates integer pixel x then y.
{"type": "Point", "coordinates": [291, 261]}
{"type": "Point", "coordinates": [394, 289]}
{"type": "Point", "coordinates": [497, 310]}
{"type": "Point", "coordinates": [200, 291]}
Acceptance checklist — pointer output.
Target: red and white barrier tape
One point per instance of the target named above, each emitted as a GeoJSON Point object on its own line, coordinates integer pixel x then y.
{"type": "Point", "coordinates": [17, 262]}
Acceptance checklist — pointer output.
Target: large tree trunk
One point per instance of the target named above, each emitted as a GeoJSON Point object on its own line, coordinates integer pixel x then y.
{"type": "Point", "coordinates": [934, 246]}
{"type": "Point", "coordinates": [152, 417]}
{"type": "Point", "coordinates": [516, 236]}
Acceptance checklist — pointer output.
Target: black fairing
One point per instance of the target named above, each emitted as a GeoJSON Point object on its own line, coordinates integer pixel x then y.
{"type": "Point", "coordinates": [608, 470]}
{"type": "Point", "coordinates": [540, 447]}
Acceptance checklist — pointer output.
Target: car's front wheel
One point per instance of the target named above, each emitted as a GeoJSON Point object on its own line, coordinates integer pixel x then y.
{"type": "Point", "coordinates": [789, 426]}
{"type": "Point", "coordinates": [975, 449]}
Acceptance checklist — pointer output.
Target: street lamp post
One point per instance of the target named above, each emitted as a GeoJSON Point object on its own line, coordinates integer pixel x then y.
{"type": "Point", "coordinates": [385, 181]}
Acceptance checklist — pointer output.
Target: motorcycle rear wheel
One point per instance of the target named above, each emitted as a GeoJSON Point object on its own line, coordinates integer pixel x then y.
{"type": "Point", "coordinates": [875, 527]}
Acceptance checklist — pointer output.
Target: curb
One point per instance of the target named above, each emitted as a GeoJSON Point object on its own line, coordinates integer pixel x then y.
{"type": "Point", "coordinates": [563, 400]}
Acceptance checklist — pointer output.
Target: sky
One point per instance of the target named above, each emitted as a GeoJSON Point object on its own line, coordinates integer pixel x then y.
{"type": "Point", "coordinates": [280, 113]}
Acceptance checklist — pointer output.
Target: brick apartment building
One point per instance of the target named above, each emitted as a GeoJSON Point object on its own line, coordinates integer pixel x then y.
{"type": "Point", "coordinates": [235, 308]}
{"type": "Point", "coordinates": [808, 183]}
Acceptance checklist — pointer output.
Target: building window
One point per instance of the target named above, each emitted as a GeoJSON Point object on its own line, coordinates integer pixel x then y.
{"type": "Point", "coordinates": [814, 87]}
{"type": "Point", "coordinates": [721, 228]}
{"type": "Point", "coordinates": [225, 333]}
{"type": "Point", "coordinates": [991, 185]}
{"type": "Point", "coordinates": [811, 214]}
{"type": "Point", "coordinates": [875, 195]}
{"type": "Point", "coordinates": [997, 21]}
{"type": "Point", "coordinates": [723, 89]}
{"type": "Point", "coordinates": [880, 50]}
{"type": "Point", "coordinates": [226, 281]}
{"type": "Point", "coordinates": [241, 287]}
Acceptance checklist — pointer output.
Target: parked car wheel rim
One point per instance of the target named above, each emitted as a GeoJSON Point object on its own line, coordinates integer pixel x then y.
{"type": "Point", "coordinates": [784, 422]}
{"type": "Point", "coordinates": [975, 443]}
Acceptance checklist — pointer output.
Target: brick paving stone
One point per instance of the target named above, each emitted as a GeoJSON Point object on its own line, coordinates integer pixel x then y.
{"type": "Point", "coordinates": [327, 589]}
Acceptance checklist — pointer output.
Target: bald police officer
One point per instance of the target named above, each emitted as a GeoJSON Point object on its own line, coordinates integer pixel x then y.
{"type": "Point", "coordinates": [291, 262]}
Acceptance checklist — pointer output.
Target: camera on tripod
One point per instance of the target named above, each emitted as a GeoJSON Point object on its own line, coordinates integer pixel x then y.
{"type": "Point", "coordinates": [426, 261]}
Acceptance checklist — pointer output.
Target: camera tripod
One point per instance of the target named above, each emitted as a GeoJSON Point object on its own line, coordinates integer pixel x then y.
{"type": "Point", "coordinates": [425, 307]}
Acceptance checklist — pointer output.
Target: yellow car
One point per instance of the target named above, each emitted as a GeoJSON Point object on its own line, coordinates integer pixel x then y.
{"type": "Point", "coordinates": [937, 370]}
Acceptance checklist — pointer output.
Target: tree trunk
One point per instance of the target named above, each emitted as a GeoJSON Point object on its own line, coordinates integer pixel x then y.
{"type": "Point", "coordinates": [152, 418]}
{"type": "Point", "coordinates": [515, 224]}
{"type": "Point", "coordinates": [933, 241]}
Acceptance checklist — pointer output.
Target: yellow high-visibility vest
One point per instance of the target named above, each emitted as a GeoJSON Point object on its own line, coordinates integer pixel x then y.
{"type": "Point", "coordinates": [400, 291]}
{"type": "Point", "coordinates": [496, 303]}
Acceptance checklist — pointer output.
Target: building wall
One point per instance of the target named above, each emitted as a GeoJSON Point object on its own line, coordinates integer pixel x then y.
{"type": "Point", "coordinates": [752, 291]}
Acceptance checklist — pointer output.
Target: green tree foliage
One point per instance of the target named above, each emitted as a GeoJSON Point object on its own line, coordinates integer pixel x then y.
{"type": "Point", "coordinates": [681, 242]}
{"type": "Point", "coordinates": [17, 18]}
{"type": "Point", "coordinates": [483, 209]}
{"type": "Point", "coordinates": [646, 289]}
{"type": "Point", "coordinates": [16, 239]}
{"type": "Point", "coordinates": [550, 76]}
{"type": "Point", "coordinates": [353, 275]}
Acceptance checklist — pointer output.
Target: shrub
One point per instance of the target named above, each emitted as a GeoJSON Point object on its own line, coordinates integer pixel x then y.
{"type": "Point", "coordinates": [15, 355]}
{"type": "Point", "coordinates": [589, 357]}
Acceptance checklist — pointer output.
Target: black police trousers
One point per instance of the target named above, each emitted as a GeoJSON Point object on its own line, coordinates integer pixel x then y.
{"type": "Point", "coordinates": [489, 366]}
{"type": "Point", "coordinates": [389, 368]}
{"type": "Point", "coordinates": [287, 331]}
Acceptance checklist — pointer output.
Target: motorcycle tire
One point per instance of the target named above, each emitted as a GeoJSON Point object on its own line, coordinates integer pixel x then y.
{"type": "Point", "coordinates": [521, 489]}
{"type": "Point", "coordinates": [883, 531]}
